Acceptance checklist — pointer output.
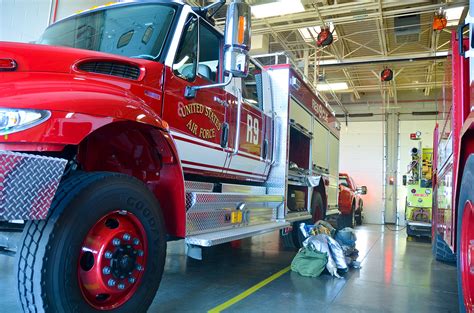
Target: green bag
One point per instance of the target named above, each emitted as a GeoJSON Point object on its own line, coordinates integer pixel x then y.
{"type": "Point", "coordinates": [309, 262]}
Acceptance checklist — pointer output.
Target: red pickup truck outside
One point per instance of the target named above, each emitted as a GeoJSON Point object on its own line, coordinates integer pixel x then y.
{"type": "Point", "coordinates": [351, 203]}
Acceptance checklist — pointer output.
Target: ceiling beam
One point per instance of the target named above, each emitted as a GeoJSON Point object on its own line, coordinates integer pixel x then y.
{"type": "Point", "coordinates": [390, 59]}
{"type": "Point", "coordinates": [307, 17]}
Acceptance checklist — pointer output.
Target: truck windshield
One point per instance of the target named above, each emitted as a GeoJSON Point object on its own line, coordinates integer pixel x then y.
{"type": "Point", "coordinates": [137, 31]}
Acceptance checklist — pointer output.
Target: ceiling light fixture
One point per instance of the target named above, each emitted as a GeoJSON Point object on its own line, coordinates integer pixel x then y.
{"type": "Point", "coordinates": [310, 34]}
{"type": "Point", "coordinates": [453, 15]}
{"type": "Point", "coordinates": [280, 7]}
{"type": "Point", "coordinates": [332, 86]}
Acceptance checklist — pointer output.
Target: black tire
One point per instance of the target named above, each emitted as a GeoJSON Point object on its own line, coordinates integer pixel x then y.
{"type": "Point", "coordinates": [358, 216]}
{"type": "Point", "coordinates": [466, 194]}
{"type": "Point", "coordinates": [48, 254]}
{"type": "Point", "coordinates": [294, 239]}
{"type": "Point", "coordinates": [441, 251]}
{"type": "Point", "coordinates": [347, 220]}
{"type": "Point", "coordinates": [318, 210]}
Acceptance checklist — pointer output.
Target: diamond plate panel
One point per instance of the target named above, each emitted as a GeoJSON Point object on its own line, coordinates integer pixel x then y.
{"type": "Point", "coordinates": [28, 184]}
{"type": "Point", "coordinates": [198, 186]}
{"type": "Point", "coordinates": [209, 211]}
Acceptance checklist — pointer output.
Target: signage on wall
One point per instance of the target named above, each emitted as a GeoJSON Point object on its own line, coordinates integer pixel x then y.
{"type": "Point", "coordinates": [415, 136]}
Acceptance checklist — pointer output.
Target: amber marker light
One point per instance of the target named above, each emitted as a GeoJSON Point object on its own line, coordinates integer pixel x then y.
{"type": "Point", "coordinates": [241, 29]}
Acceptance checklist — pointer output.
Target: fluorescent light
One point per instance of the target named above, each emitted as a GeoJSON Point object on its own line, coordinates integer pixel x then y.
{"type": "Point", "coordinates": [309, 34]}
{"type": "Point", "coordinates": [332, 86]}
{"type": "Point", "coordinates": [453, 15]}
{"type": "Point", "coordinates": [280, 7]}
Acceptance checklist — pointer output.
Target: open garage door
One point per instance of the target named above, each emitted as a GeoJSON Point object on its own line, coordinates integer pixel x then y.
{"type": "Point", "coordinates": [362, 156]}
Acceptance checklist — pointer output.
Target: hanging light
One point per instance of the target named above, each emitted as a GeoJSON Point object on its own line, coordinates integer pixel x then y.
{"type": "Point", "coordinates": [386, 75]}
{"type": "Point", "coordinates": [440, 21]}
{"type": "Point", "coordinates": [325, 37]}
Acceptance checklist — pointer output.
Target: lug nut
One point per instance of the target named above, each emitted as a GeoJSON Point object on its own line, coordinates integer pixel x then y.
{"type": "Point", "coordinates": [121, 286]}
{"type": "Point", "coordinates": [136, 242]}
{"type": "Point", "coordinates": [106, 270]}
{"type": "Point", "coordinates": [116, 242]}
{"type": "Point", "coordinates": [111, 282]}
{"type": "Point", "coordinates": [140, 252]}
{"type": "Point", "coordinates": [139, 267]}
{"type": "Point", "coordinates": [131, 280]}
{"type": "Point", "coordinates": [126, 237]}
{"type": "Point", "coordinates": [108, 254]}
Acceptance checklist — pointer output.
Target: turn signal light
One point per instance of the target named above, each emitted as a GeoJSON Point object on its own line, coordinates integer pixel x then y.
{"type": "Point", "coordinates": [241, 33]}
{"type": "Point", "coordinates": [7, 65]}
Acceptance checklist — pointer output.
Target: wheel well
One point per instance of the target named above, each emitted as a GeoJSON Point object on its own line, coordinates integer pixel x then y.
{"type": "Point", "coordinates": [466, 149]}
{"type": "Point", "coordinates": [146, 153]}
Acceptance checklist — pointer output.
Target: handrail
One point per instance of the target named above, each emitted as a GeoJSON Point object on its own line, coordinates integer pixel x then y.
{"type": "Point", "coordinates": [235, 150]}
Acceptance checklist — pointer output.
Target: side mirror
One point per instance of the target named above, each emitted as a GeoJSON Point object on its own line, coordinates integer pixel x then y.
{"type": "Point", "coordinates": [236, 46]}
{"type": "Point", "coordinates": [237, 39]}
{"type": "Point", "coordinates": [362, 190]}
{"type": "Point", "coordinates": [404, 180]}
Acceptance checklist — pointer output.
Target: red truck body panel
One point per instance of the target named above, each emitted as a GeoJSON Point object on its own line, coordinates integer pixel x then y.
{"type": "Point", "coordinates": [448, 148]}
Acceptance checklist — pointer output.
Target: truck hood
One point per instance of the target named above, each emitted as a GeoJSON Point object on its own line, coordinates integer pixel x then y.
{"type": "Point", "coordinates": [44, 58]}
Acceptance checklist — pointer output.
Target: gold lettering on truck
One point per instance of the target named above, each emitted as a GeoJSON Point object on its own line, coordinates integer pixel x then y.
{"type": "Point", "coordinates": [198, 108]}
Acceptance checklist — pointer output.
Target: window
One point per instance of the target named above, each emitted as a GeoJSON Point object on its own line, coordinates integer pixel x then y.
{"type": "Point", "coordinates": [252, 86]}
{"type": "Point", "coordinates": [185, 62]}
{"type": "Point", "coordinates": [343, 181]}
{"type": "Point", "coordinates": [209, 53]}
{"type": "Point", "coordinates": [137, 31]}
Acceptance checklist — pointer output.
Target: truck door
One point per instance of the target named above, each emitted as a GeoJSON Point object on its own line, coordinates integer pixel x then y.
{"type": "Point", "coordinates": [249, 140]}
{"type": "Point", "coordinates": [197, 124]}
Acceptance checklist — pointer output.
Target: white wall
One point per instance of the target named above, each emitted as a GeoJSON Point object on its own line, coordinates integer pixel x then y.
{"type": "Point", "coordinates": [25, 20]}
{"type": "Point", "coordinates": [406, 128]}
{"type": "Point", "coordinates": [362, 157]}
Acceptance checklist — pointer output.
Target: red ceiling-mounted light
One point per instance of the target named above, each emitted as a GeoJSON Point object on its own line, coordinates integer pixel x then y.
{"type": "Point", "coordinates": [325, 37]}
{"type": "Point", "coordinates": [386, 75]}
{"type": "Point", "coordinates": [439, 21]}
{"type": "Point", "coordinates": [7, 65]}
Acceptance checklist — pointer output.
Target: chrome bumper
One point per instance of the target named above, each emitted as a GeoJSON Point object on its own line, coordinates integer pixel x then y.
{"type": "Point", "coordinates": [27, 185]}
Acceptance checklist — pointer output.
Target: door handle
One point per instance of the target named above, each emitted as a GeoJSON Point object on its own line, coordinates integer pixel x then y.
{"type": "Point", "coordinates": [460, 38]}
{"type": "Point", "coordinates": [225, 135]}
{"type": "Point", "coordinates": [265, 149]}
{"type": "Point", "coordinates": [237, 127]}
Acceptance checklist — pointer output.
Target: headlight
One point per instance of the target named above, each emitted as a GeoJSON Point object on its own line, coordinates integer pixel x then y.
{"type": "Point", "coordinates": [15, 120]}
{"type": "Point", "coordinates": [427, 191]}
{"type": "Point", "coordinates": [420, 200]}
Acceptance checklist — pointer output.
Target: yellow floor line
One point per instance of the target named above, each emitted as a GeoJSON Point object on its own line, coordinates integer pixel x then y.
{"type": "Point", "coordinates": [248, 292]}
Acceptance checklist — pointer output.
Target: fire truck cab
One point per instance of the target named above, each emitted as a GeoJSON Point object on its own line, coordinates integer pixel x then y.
{"type": "Point", "coordinates": [122, 131]}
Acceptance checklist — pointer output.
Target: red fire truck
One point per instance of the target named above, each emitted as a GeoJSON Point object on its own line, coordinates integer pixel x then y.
{"type": "Point", "coordinates": [453, 163]}
{"type": "Point", "coordinates": [136, 123]}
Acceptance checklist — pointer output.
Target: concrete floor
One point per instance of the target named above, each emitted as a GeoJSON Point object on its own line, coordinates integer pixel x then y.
{"type": "Point", "coordinates": [397, 275]}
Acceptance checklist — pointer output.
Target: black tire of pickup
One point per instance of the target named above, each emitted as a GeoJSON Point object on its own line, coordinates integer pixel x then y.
{"type": "Point", "coordinates": [47, 260]}
{"type": "Point", "coordinates": [347, 220]}
{"type": "Point", "coordinates": [358, 215]}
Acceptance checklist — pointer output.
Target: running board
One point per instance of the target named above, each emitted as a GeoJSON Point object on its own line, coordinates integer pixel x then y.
{"type": "Point", "coordinates": [218, 237]}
